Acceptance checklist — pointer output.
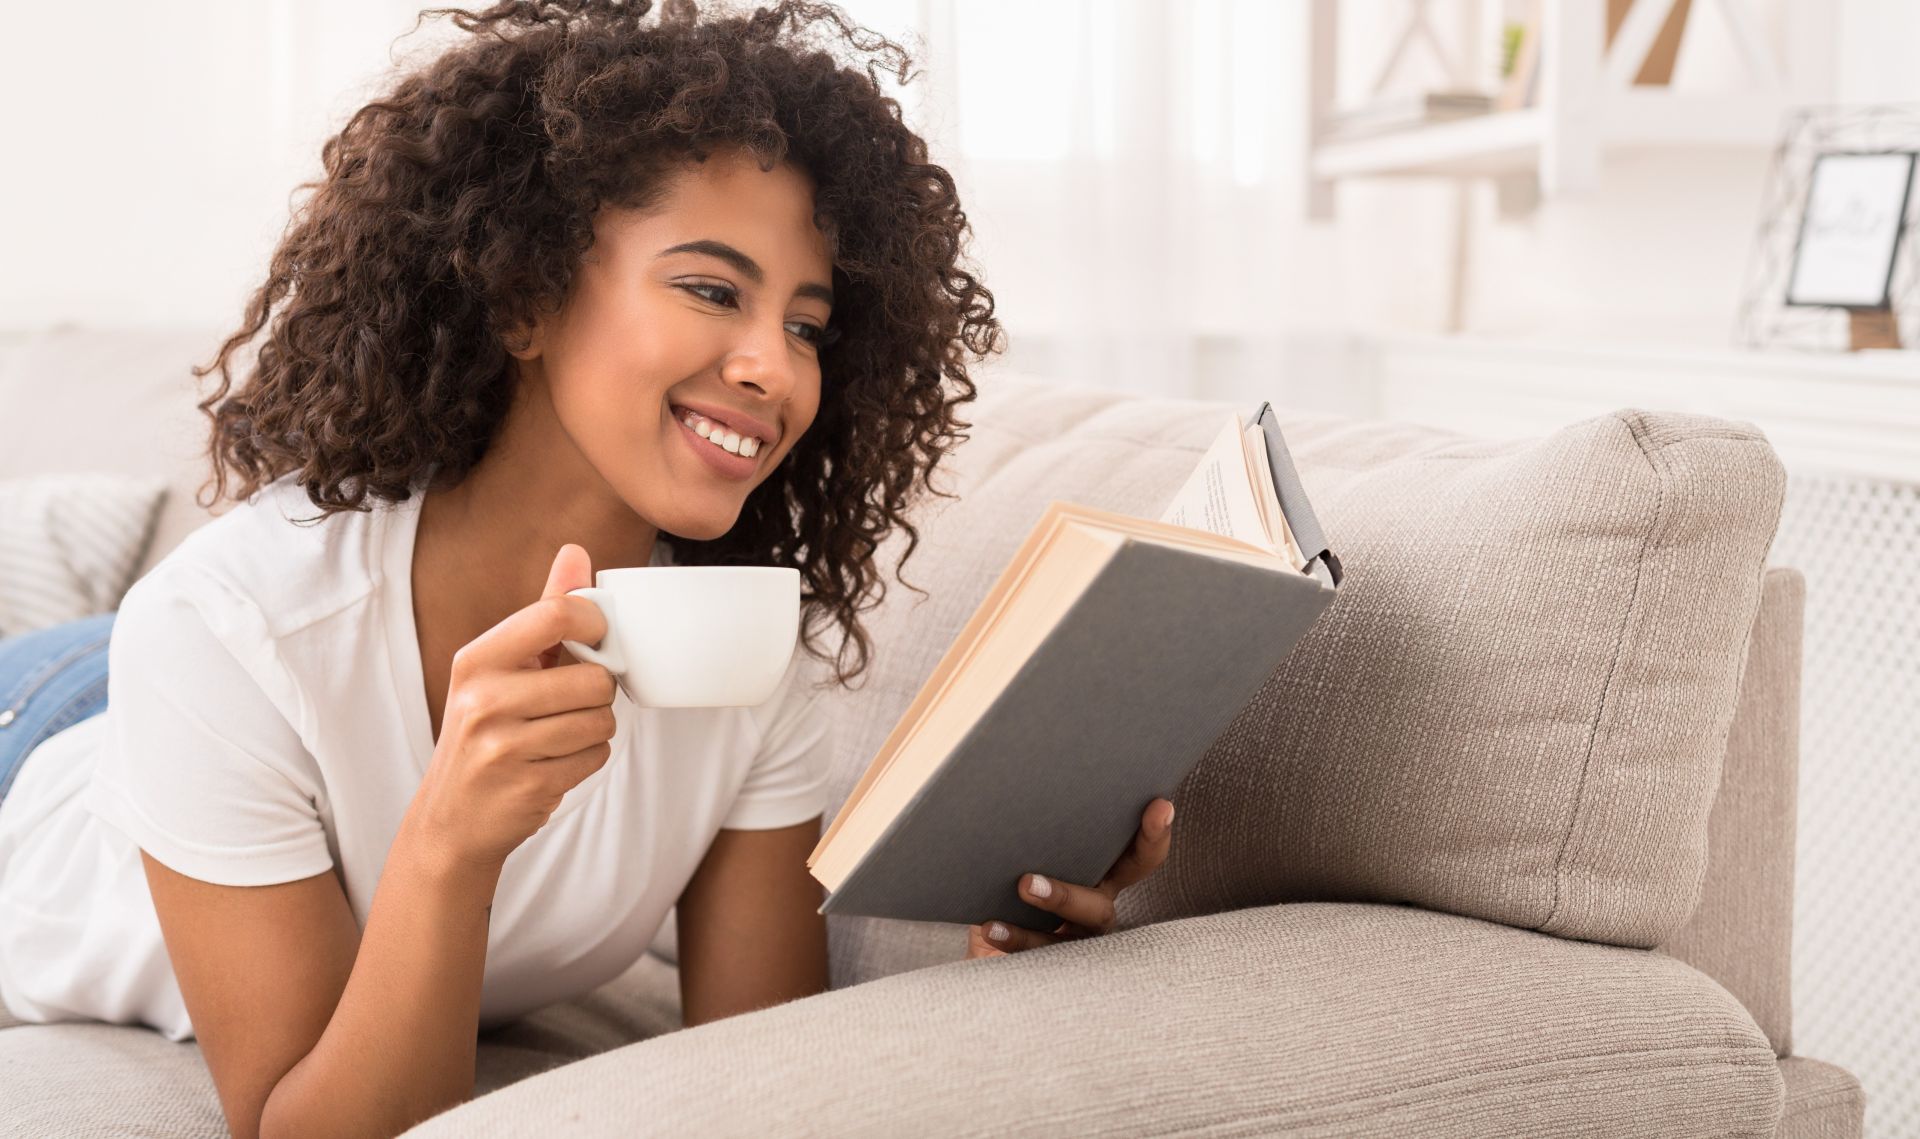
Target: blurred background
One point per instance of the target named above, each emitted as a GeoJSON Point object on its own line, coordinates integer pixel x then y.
{"type": "Point", "coordinates": [1496, 216]}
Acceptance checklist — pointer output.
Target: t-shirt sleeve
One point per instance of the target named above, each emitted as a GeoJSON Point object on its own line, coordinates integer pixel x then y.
{"type": "Point", "coordinates": [788, 781]}
{"type": "Point", "coordinates": [202, 766]}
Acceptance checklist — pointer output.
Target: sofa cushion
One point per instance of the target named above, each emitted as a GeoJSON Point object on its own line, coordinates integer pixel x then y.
{"type": "Point", "coordinates": [69, 544]}
{"type": "Point", "coordinates": [1322, 1019]}
{"type": "Point", "coordinates": [1823, 1101]}
{"type": "Point", "coordinates": [99, 1079]}
{"type": "Point", "coordinates": [104, 1079]}
{"type": "Point", "coordinates": [1515, 708]}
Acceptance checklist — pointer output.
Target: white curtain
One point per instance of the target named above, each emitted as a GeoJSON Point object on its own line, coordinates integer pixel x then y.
{"type": "Point", "coordinates": [1131, 171]}
{"type": "Point", "coordinates": [1128, 164]}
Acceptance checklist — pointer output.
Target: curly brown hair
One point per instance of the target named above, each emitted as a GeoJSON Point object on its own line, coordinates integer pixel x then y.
{"type": "Point", "coordinates": [458, 204]}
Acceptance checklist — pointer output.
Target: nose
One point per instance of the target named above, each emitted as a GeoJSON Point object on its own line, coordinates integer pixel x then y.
{"type": "Point", "coordinates": [762, 359]}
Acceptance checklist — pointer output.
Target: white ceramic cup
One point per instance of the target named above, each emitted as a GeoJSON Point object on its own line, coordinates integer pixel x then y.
{"type": "Point", "coordinates": [695, 636]}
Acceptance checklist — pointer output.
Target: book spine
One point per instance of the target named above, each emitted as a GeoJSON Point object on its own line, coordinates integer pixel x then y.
{"type": "Point", "coordinates": [1322, 562]}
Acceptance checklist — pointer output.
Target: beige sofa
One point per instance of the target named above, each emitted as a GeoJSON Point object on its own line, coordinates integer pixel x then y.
{"type": "Point", "coordinates": [1505, 848]}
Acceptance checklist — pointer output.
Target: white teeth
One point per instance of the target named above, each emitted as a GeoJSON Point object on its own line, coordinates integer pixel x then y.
{"type": "Point", "coordinates": [730, 440]}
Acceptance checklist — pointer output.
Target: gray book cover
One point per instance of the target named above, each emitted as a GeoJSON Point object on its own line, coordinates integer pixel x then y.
{"type": "Point", "coordinates": [1142, 674]}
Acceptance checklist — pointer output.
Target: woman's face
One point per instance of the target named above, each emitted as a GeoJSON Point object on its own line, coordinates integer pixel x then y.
{"type": "Point", "coordinates": [714, 298]}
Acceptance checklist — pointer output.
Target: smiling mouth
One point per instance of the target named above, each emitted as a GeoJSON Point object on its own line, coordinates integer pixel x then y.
{"type": "Point", "coordinates": [718, 436]}
{"type": "Point", "coordinates": [716, 458]}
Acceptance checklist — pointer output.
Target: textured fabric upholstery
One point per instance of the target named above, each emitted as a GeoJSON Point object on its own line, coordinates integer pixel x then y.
{"type": "Point", "coordinates": [1515, 709]}
{"type": "Point", "coordinates": [1316, 1018]}
{"type": "Point", "coordinates": [89, 1081]}
{"type": "Point", "coordinates": [1741, 934]}
{"type": "Point", "coordinates": [640, 1004]}
{"type": "Point", "coordinates": [1823, 1101]}
{"type": "Point", "coordinates": [70, 543]}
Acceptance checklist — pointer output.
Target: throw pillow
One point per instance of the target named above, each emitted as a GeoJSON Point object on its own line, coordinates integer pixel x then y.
{"type": "Point", "coordinates": [1516, 709]}
{"type": "Point", "coordinates": [69, 544]}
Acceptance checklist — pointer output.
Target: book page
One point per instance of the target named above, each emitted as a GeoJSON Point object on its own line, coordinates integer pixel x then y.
{"type": "Point", "coordinates": [1260, 474]}
{"type": "Point", "coordinates": [1216, 497]}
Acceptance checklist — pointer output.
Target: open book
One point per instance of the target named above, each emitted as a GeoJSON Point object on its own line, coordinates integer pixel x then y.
{"type": "Point", "coordinates": [1107, 657]}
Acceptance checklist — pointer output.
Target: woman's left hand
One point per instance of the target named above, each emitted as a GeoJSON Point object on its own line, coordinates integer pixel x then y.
{"type": "Point", "coordinates": [1087, 911]}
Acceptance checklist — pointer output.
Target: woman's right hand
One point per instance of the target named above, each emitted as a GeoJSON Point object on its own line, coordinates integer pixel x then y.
{"type": "Point", "coordinates": [519, 730]}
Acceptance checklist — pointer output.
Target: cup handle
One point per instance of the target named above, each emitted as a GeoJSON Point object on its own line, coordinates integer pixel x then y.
{"type": "Point", "coordinates": [604, 657]}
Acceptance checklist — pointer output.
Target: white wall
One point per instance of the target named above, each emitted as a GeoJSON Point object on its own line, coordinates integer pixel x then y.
{"type": "Point", "coordinates": [1878, 44]}
{"type": "Point", "coordinates": [151, 156]}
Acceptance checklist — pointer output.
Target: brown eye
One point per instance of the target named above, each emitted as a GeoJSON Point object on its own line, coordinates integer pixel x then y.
{"type": "Point", "coordinates": [729, 297]}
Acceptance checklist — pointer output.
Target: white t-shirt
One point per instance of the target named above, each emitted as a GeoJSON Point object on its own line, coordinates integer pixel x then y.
{"type": "Point", "coordinates": [267, 720]}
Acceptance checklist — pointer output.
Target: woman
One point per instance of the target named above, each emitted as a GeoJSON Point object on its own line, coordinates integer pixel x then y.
{"type": "Point", "coordinates": [349, 797]}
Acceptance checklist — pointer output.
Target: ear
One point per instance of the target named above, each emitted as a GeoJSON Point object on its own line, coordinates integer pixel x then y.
{"type": "Point", "coordinates": [525, 341]}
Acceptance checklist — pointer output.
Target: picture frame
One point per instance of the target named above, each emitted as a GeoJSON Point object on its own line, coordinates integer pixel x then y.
{"type": "Point", "coordinates": [1823, 296]}
{"type": "Point", "coordinates": [1850, 228]}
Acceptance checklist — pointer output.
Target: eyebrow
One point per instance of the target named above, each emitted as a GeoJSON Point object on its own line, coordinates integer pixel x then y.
{"type": "Point", "coordinates": [745, 264]}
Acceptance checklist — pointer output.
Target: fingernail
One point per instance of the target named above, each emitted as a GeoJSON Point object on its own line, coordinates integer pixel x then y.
{"type": "Point", "coordinates": [996, 932]}
{"type": "Point", "coordinates": [1040, 887]}
{"type": "Point", "coordinates": [1169, 821]}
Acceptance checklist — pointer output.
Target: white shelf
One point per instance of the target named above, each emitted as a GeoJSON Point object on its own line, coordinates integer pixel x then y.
{"type": "Point", "coordinates": [1501, 143]}
{"type": "Point", "coordinates": [1509, 142]}
{"type": "Point", "coordinates": [1587, 104]}
{"type": "Point", "coordinates": [1857, 412]}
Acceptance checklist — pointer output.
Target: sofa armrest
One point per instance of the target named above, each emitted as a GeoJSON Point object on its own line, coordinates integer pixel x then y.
{"type": "Point", "coordinates": [1741, 933]}
{"type": "Point", "coordinates": [1350, 1018]}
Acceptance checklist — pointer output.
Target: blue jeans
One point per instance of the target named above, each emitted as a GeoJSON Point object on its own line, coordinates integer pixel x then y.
{"type": "Point", "coordinates": [50, 680]}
